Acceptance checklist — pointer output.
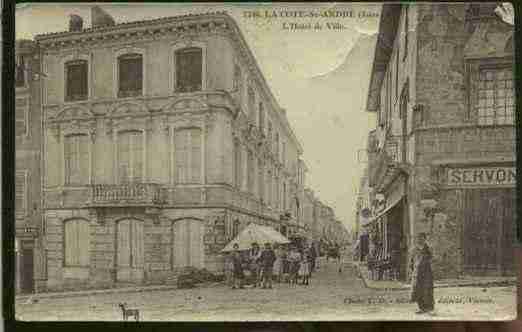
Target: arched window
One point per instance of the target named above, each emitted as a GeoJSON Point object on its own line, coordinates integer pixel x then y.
{"type": "Point", "coordinates": [76, 153]}
{"type": "Point", "coordinates": [130, 238]}
{"type": "Point", "coordinates": [189, 69]}
{"type": "Point", "coordinates": [130, 157]}
{"type": "Point", "coordinates": [130, 75]}
{"type": "Point", "coordinates": [76, 80]}
{"type": "Point", "coordinates": [187, 154]}
{"type": "Point", "coordinates": [76, 243]}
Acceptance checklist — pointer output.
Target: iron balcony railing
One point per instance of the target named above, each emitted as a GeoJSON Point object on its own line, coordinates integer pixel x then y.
{"type": "Point", "coordinates": [128, 194]}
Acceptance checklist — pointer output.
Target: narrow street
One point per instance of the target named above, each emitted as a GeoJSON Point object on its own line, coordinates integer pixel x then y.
{"type": "Point", "coordinates": [330, 296]}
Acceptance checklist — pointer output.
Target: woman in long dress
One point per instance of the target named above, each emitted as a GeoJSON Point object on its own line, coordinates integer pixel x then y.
{"type": "Point", "coordinates": [422, 276]}
{"type": "Point", "coordinates": [278, 264]}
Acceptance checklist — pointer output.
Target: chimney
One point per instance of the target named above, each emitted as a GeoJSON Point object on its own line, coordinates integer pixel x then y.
{"type": "Point", "coordinates": [100, 17]}
{"type": "Point", "coordinates": [75, 23]}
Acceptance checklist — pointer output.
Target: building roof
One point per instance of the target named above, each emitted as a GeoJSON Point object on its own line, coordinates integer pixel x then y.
{"type": "Point", "coordinates": [388, 24]}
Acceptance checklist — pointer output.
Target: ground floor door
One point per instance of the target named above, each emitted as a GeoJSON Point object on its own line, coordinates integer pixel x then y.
{"type": "Point", "coordinates": [188, 248]}
{"type": "Point", "coordinates": [488, 231]}
{"type": "Point", "coordinates": [27, 271]}
{"type": "Point", "coordinates": [396, 239]}
{"type": "Point", "coordinates": [129, 250]}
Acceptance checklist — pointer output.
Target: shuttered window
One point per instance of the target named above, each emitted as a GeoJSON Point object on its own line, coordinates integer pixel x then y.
{"type": "Point", "coordinates": [261, 181]}
{"type": "Point", "coordinates": [20, 194]}
{"type": "Point", "coordinates": [130, 75]}
{"type": "Point", "coordinates": [250, 172]}
{"type": "Point", "coordinates": [261, 117]}
{"type": "Point", "coordinates": [187, 154]}
{"type": "Point", "coordinates": [130, 157]}
{"type": "Point", "coordinates": [77, 243]}
{"type": "Point", "coordinates": [20, 70]}
{"type": "Point", "coordinates": [189, 65]}
{"type": "Point", "coordinates": [76, 148]}
{"type": "Point", "coordinates": [21, 113]}
{"type": "Point", "coordinates": [76, 76]}
{"type": "Point", "coordinates": [237, 165]}
{"type": "Point", "coordinates": [130, 239]}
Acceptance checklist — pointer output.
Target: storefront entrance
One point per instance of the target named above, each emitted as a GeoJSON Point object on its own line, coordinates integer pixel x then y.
{"type": "Point", "coordinates": [489, 231]}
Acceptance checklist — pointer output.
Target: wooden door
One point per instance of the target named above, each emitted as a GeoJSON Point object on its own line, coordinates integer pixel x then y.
{"type": "Point", "coordinates": [130, 250]}
{"type": "Point", "coordinates": [188, 249]}
{"type": "Point", "coordinates": [27, 271]}
{"type": "Point", "coordinates": [488, 222]}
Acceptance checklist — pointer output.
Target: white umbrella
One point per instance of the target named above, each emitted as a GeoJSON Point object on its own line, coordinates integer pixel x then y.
{"type": "Point", "coordinates": [255, 233]}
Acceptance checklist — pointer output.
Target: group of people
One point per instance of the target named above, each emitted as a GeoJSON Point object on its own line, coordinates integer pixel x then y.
{"type": "Point", "coordinates": [260, 267]}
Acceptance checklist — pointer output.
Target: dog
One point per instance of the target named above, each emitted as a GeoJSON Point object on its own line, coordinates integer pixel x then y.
{"type": "Point", "coordinates": [126, 313]}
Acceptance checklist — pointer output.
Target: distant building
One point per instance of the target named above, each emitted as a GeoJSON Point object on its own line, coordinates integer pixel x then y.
{"type": "Point", "coordinates": [442, 86]}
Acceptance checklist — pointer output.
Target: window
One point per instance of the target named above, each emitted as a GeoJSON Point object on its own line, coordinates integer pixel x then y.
{"type": "Point", "coordinates": [130, 75]}
{"type": "Point", "coordinates": [237, 165]}
{"type": "Point", "coordinates": [21, 113]}
{"type": "Point", "coordinates": [406, 24]}
{"type": "Point", "coordinates": [283, 154]}
{"type": "Point", "coordinates": [496, 102]}
{"type": "Point", "coordinates": [130, 243]}
{"type": "Point", "coordinates": [251, 104]}
{"type": "Point", "coordinates": [250, 172]}
{"type": "Point", "coordinates": [236, 84]}
{"type": "Point", "coordinates": [261, 117]}
{"type": "Point", "coordinates": [187, 154]}
{"type": "Point", "coordinates": [130, 157]}
{"type": "Point", "coordinates": [269, 189]}
{"type": "Point", "coordinates": [76, 80]}
{"type": "Point", "coordinates": [77, 242]}
{"type": "Point", "coordinates": [284, 196]}
{"type": "Point", "coordinates": [76, 149]}
{"type": "Point", "coordinates": [277, 193]}
{"type": "Point", "coordinates": [277, 145]}
{"type": "Point", "coordinates": [269, 132]}
{"type": "Point", "coordinates": [189, 69]}
{"type": "Point", "coordinates": [20, 194]}
{"type": "Point", "coordinates": [20, 73]}
{"type": "Point", "coordinates": [397, 74]}
{"type": "Point", "coordinates": [235, 228]}
{"type": "Point", "coordinates": [261, 181]}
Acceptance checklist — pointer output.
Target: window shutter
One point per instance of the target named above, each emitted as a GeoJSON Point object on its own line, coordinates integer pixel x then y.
{"type": "Point", "coordinates": [124, 243]}
{"type": "Point", "coordinates": [20, 117]}
{"type": "Point", "coordinates": [83, 160]}
{"type": "Point", "coordinates": [83, 243]}
{"type": "Point", "coordinates": [124, 157]}
{"type": "Point", "coordinates": [195, 157]}
{"type": "Point", "coordinates": [137, 156]}
{"type": "Point", "coordinates": [137, 243]}
{"type": "Point", "coordinates": [180, 154]}
{"type": "Point", "coordinates": [20, 193]}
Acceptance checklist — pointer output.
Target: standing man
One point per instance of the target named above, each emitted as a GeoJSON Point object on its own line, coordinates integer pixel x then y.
{"type": "Point", "coordinates": [254, 258]}
{"type": "Point", "coordinates": [313, 257]}
{"type": "Point", "coordinates": [422, 276]}
{"type": "Point", "coordinates": [237, 268]}
{"type": "Point", "coordinates": [267, 260]}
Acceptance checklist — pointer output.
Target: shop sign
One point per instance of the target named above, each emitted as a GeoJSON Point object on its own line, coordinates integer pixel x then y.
{"type": "Point", "coordinates": [481, 176]}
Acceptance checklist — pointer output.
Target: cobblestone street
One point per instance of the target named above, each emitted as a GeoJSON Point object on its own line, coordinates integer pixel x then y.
{"type": "Point", "coordinates": [330, 296]}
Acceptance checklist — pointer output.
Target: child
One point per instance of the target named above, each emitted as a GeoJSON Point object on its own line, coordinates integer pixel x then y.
{"type": "Point", "coordinates": [267, 260]}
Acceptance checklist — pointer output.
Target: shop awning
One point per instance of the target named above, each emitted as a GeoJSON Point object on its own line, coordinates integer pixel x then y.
{"type": "Point", "coordinates": [388, 208]}
{"type": "Point", "coordinates": [255, 233]}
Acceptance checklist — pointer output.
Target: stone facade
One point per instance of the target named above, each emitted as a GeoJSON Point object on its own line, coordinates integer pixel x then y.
{"type": "Point", "coordinates": [433, 118]}
{"type": "Point", "coordinates": [29, 263]}
{"type": "Point", "coordinates": [248, 160]}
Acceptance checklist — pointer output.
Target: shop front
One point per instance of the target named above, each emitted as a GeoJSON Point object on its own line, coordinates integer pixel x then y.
{"type": "Point", "coordinates": [487, 208]}
{"type": "Point", "coordinates": [387, 258]}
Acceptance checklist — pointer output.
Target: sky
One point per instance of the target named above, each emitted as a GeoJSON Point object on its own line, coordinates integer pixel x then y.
{"type": "Point", "coordinates": [320, 76]}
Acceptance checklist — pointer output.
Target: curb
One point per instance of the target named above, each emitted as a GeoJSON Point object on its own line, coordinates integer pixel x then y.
{"type": "Point", "coordinates": [502, 283]}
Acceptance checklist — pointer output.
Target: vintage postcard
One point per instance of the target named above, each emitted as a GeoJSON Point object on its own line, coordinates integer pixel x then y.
{"type": "Point", "coordinates": [265, 162]}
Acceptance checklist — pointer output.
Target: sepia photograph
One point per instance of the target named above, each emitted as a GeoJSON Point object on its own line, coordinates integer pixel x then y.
{"type": "Point", "coordinates": [234, 162]}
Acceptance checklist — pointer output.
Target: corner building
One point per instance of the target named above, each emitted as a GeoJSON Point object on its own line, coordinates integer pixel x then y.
{"type": "Point", "coordinates": [443, 157]}
{"type": "Point", "coordinates": [162, 141]}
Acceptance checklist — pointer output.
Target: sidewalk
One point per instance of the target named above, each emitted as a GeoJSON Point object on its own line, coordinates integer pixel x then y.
{"type": "Point", "coordinates": [444, 283]}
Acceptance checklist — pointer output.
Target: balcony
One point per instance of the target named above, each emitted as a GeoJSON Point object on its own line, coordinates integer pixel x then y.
{"type": "Point", "coordinates": [385, 161]}
{"type": "Point", "coordinates": [127, 195]}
